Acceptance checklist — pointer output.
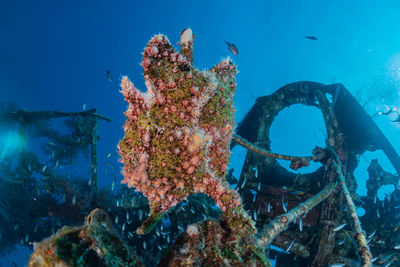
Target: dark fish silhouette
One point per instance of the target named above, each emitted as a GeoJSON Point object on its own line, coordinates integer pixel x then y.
{"type": "Point", "coordinates": [109, 76]}
{"type": "Point", "coordinates": [311, 37]}
{"type": "Point", "coordinates": [232, 48]}
{"type": "Point", "coordinates": [398, 119]}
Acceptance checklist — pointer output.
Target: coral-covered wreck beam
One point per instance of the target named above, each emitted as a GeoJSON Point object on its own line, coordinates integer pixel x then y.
{"type": "Point", "coordinates": [335, 141]}
{"type": "Point", "coordinates": [280, 223]}
{"type": "Point", "coordinates": [363, 248]}
{"type": "Point", "coordinates": [297, 162]}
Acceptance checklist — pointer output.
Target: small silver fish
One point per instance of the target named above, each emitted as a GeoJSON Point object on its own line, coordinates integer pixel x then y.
{"type": "Point", "coordinates": [388, 264]}
{"type": "Point", "coordinates": [74, 200]}
{"type": "Point", "coordinates": [113, 186]}
{"type": "Point", "coordinates": [144, 245]}
{"type": "Point", "coordinates": [255, 171]}
{"type": "Point", "coordinates": [44, 168]}
{"type": "Point", "coordinates": [301, 225]}
{"type": "Point", "coordinates": [140, 215]}
{"type": "Point", "coordinates": [372, 234]}
{"type": "Point", "coordinates": [339, 227]}
{"type": "Point", "coordinates": [108, 155]}
{"type": "Point", "coordinates": [269, 207]}
{"type": "Point", "coordinates": [90, 182]}
{"type": "Point", "coordinates": [397, 246]}
{"type": "Point", "coordinates": [84, 106]}
{"type": "Point", "coordinates": [29, 167]}
{"type": "Point", "coordinates": [52, 143]}
{"type": "Point", "coordinates": [374, 259]}
{"type": "Point", "coordinates": [259, 186]}
{"type": "Point", "coordinates": [255, 216]}
{"type": "Point", "coordinates": [284, 205]}
{"type": "Point", "coordinates": [232, 48]}
{"type": "Point", "coordinates": [168, 239]}
{"type": "Point", "coordinates": [337, 265]}
{"type": "Point", "coordinates": [254, 197]}
{"type": "Point", "coordinates": [244, 182]}
{"type": "Point", "coordinates": [127, 216]}
{"type": "Point", "coordinates": [341, 242]}
{"type": "Point", "coordinates": [116, 219]}
{"type": "Point", "coordinates": [290, 245]}
{"type": "Point", "coordinates": [386, 258]}
{"type": "Point", "coordinates": [123, 227]}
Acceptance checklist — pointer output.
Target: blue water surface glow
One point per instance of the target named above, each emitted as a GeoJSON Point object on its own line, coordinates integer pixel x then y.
{"type": "Point", "coordinates": [11, 142]}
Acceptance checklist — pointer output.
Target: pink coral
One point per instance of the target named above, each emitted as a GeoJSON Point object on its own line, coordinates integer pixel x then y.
{"type": "Point", "coordinates": [177, 140]}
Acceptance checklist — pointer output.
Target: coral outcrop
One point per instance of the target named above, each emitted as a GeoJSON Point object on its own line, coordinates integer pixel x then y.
{"type": "Point", "coordinates": [210, 243]}
{"type": "Point", "coordinates": [177, 134]}
{"type": "Point", "coordinates": [93, 244]}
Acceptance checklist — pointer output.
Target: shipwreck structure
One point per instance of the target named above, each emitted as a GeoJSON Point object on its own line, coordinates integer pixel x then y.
{"type": "Point", "coordinates": [351, 131]}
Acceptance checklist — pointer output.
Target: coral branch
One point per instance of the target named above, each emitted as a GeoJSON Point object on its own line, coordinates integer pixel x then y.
{"type": "Point", "coordinates": [281, 222]}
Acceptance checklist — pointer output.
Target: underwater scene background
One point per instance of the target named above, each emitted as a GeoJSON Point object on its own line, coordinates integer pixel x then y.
{"type": "Point", "coordinates": [183, 175]}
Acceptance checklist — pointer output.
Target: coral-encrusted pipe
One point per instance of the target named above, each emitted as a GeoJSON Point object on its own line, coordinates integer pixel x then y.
{"type": "Point", "coordinates": [363, 248]}
{"type": "Point", "coordinates": [297, 162]}
{"type": "Point", "coordinates": [280, 223]}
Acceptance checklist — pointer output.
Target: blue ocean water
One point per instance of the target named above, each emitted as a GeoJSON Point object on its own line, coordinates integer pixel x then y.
{"type": "Point", "coordinates": [54, 56]}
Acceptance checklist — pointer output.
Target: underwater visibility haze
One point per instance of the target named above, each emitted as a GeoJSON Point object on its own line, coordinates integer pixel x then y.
{"type": "Point", "coordinates": [200, 133]}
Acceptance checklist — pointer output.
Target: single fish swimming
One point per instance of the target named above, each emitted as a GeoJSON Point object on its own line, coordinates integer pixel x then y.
{"type": "Point", "coordinates": [290, 246]}
{"type": "Point", "coordinates": [311, 37]}
{"type": "Point", "coordinates": [109, 76]}
{"type": "Point", "coordinates": [339, 227]}
{"type": "Point", "coordinates": [232, 48]}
